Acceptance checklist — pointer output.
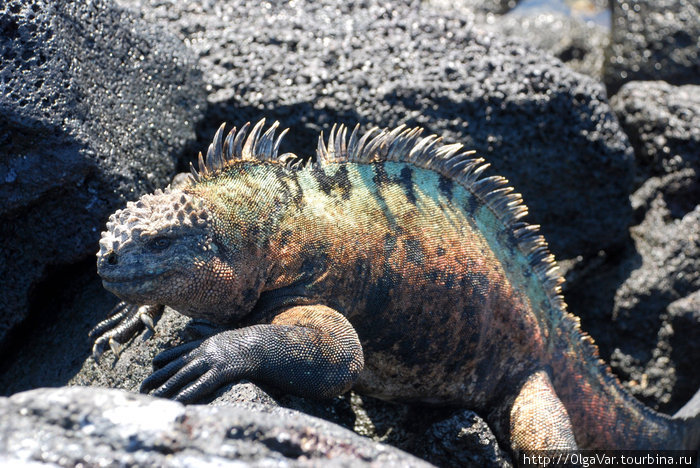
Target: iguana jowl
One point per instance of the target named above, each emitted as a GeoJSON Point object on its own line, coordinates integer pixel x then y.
{"type": "Point", "coordinates": [390, 265]}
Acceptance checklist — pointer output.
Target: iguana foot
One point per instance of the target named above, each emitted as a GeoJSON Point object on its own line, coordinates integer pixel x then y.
{"type": "Point", "coordinates": [306, 350]}
{"type": "Point", "coordinates": [192, 370]}
{"type": "Point", "coordinates": [124, 321]}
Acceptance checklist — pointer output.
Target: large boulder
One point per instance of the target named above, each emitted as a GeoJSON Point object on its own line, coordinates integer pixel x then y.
{"type": "Point", "coordinates": [97, 106]}
{"type": "Point", "coordinates": [578, 43]}
{"type": "Point", "coordinates": [666, 271]}
{"type": "Point", "coordinates": [478, 8]}
{"type": "Point", "coordinates": [96, 427]}
{"type": "Point", "coordinates": [630, 300]}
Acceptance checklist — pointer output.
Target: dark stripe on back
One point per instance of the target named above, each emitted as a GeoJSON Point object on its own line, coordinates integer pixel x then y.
{"type": "Point", "coordinates": [446, 186]}
{"type": "Point", "coordinates": [337, 182]}
{"type": "Point", "coordinates": [406, 181]}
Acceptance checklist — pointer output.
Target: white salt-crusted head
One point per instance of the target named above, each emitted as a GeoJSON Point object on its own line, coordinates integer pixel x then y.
{"type": "Point", "coordinates": [161, 214]}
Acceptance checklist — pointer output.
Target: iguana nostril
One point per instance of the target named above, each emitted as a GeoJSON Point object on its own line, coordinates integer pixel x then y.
{"type": "Point", "coordinates": [112, 258]}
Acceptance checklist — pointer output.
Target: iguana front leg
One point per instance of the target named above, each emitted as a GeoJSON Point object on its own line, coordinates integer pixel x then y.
{"type": "Point", "coordinates": [124, 321]}
{"type": "Point", "coordinates": [306, 350]}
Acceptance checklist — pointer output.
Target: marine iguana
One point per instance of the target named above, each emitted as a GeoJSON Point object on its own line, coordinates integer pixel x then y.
{"type": "Point", "coordinates": [391, 266]}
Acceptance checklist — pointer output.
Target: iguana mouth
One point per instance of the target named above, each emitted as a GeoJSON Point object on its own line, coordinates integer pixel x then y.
{"type": "Point", "coordinates": [125, 280]}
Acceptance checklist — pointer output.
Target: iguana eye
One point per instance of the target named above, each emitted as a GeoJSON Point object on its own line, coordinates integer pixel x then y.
{"type": "Point", "coordinates": [158, 243]}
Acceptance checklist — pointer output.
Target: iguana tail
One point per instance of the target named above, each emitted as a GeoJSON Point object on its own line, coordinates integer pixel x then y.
{"type": "Point", "coordinates": [690, 417]}
{"type": "Point", "coordinates": [603, 414]}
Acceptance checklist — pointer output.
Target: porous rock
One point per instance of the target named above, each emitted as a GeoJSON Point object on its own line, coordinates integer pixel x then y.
{"type": "Point", "coordinates": [668, 270]}
{"type": "Point", "coordinates": [96, 105]}
{"type": "Point", "coordinates": [404, 426]}
{"type": "Point", "coordinates": [653, 40]}
{"type": "Point", "coordinates": [624, 295]}
{"type": "Point", "coordinates": [463, 440]}
{"type": "Point", "coordinates": [74, 426]}
{"type": "Point", "coordinates": [479, 8]}
{"type": "Point", "coordinates": [580, 44]}
{"type": "Point", "coordinates": [663, 124]}
{"type": "Point", "coordinates": [684, 318]}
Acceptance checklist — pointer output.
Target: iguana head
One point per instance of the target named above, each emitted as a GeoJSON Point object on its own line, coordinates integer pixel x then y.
{"type": "Point", "coordinates": [163, 249]}
{"type": "Point", "coordinates": [201, 249]}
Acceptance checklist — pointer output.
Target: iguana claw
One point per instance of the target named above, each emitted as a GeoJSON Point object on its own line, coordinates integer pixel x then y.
{"type": "Point", "coordinates": [98, 348]}
{"type": "Point", "coordinates": [124, 322]}
{"type": "Point", "coordinates": [147, 320]}
{"type": "Point", "coordinates": [115, 346]}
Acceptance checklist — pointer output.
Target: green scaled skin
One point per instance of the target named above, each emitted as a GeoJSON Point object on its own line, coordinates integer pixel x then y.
{"type": "Point", "coordinates": [390, 266]}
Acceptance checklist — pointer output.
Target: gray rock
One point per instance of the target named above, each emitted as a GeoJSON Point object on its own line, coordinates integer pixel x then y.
{"type": "Point", "coordinates": [96, 107]}
{"type": "Point", "coordinates": [579, 44]}
{"type": "Point", "coordinates": [624, 295]}
{"type": "Point", "coordinates": [663, 123]}
{"type": "Point", "coordinates": [670, 270]}
{"type": "Point", "coordinates": [463, 440]}
{"type": "Point", "coordinates": [477, 7]}
{"type": "Point", "coordinates": [680, 192]}
{"type": "Point", "coordinates": [545, 127]}
{"type": "Point", "coordinates": [442, 436]}
{"type": "Point", "coordinates": [625, 300]}
{"type": "Point", "coordinates": [73, 426]}
{"type": "Point", "coordinates": [659, 360]}
{"type": "Point", "coordinates": [684, 318]}
{"type": "Point", "coordinates": [629, 299]}
{"type": "Point", "coordinates": [653, 40]}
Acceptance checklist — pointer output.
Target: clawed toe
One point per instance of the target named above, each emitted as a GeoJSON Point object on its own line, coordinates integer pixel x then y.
{"type": "Point", "coordinates": [168, 355]}
{"type": "Point", "coordinates": [124, 322]}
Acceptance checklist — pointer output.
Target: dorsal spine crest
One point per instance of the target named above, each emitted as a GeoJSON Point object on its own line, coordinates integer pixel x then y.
{"type": "Point", "coordinates": [237, 147]}
{"type": "Point", "coordinates": [400, 144]}
{"type": "Point", "coordinates": [407, 145]}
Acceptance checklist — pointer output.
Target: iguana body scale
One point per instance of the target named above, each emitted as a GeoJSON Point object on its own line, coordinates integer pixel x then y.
{"type": "Point", "coordinates": [391, 265]}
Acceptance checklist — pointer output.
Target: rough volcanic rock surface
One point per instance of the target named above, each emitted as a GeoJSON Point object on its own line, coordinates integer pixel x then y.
{"type": "Point", "coordinates": [669, 271]}
{"type": "Point", "coordinates": [579, 44]}
{"type": "Point", "coordinates": [684, 318]}
{"type": "Point", "coordinates": [79, 426]}
{"type": "Point", "coordinates": [653, 40]}
{"type": "Point", "coordinates": [545, 127]}
{"type": "Point", "coordinates": [629, 301]}
{"type": "Point", "coordinates": [663, 124]}
{"type": "Point", "coordinates": [96, 107]}
{"type": "Point", "coordinates": [463, 439]}
{"type": "Point", "coordinates": [479, 8]}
